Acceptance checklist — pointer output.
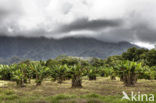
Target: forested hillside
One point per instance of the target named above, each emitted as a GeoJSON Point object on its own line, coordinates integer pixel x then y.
{"type": "Point", "coordinates": [43, 48]}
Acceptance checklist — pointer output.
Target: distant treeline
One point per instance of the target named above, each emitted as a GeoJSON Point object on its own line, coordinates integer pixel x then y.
{"type": "Point", "coordinates": [129, 67]}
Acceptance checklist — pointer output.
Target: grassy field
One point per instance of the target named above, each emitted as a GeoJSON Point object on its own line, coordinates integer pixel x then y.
{"type": "Point", "coordinates": [103, 90]}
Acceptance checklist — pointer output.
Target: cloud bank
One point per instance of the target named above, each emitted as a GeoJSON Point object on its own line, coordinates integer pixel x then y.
{"type": "Point", "coordinates": [111, 20]}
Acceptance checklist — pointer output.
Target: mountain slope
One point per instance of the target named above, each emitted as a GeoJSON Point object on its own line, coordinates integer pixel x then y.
{"type": "Point", "coordinates": [43, 48]}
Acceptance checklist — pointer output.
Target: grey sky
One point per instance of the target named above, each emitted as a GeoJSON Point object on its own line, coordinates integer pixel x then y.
{"type": "Point", "coordinates": [108, 20]}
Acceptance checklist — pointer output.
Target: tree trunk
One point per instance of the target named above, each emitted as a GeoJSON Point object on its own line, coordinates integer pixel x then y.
{"type": "Point", "coordinates": [60, 80]}
{"type": "Point", "coordinates": [38, 80]}
{"type": "Point", "coordinates": [20, 83]}
{"type": "Point", "coordinates": [29, 80]}
{"type": "Point", "coordinates": [102, 74]}
{"type": "Point", "coordinates": [38, 83]}
{"type": "Point", "coordinates": [130, 78]}
{"type": "Point", "coordinates": [121, 78]}
{"type": "Point", "coordinates": [113, 78]}
{"type": "Point", "coordinates": [25, 81]}
{"type": "Point", "coordinates": [76, 82]}
{"type": "Point", "coordinates": [92, 77]}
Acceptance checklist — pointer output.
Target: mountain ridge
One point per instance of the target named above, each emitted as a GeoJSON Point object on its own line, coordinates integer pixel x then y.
{"type": "Point", "coordinates": [45, 48]}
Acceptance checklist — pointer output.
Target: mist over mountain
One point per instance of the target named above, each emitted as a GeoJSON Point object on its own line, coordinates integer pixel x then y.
{"type": "Point", "coordinates": [44, 48]}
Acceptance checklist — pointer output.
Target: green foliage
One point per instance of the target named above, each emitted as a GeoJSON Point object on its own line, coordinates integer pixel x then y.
{"type": "Point", "coordinates": [41, 72]}
{"type": "Point", "coordinates": [19, 74]}
{"type": "Point", "coordinates": [134, 54]}
{"type": "Point", "coordinates": [149, 73]}
{"type": "Point", "coordinates": [112, 60]}
{"type": "Point", "coordinates": [5, 72]}
{"type": "Point", "coordinates": [59, 72]}
{"type": "Point", "coordinates": [69, 61]}
{"type": "Point", "coordinates": [92, 72]}
{"type": "Point", "coordinates": [150, 57]}
{"type": "Point", "coordinates": [76, 72]}
{"type": "Point", "coordinates": [51, 62]}
{"type": "Point", "coordinates": [97, 62]}
{"type": "Point", "coordinates": [153, 72]}
{"type": "Point", "coordinates": [147, 56]}
{"type": "Point", "coordinates": [129, 71]}
{"type": "Point", "coordinates": [131, 65]}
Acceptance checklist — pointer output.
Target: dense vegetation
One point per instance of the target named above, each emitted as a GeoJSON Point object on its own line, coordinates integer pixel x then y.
{"type": "Point", "coordinates": [129, 67]}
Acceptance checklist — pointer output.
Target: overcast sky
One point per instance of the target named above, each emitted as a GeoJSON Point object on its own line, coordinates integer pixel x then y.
{"type": "Point", "coordinates": [108, 20]}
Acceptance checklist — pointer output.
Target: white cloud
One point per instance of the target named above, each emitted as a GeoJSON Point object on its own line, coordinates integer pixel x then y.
{"type": "Point", "coordinates": [145, 45]}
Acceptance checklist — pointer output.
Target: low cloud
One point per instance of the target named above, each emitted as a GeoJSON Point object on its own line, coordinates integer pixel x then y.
{"type": "Point", "coordinates": [107, 20]}
{"type": "Point", "coordinates": [86, 24]}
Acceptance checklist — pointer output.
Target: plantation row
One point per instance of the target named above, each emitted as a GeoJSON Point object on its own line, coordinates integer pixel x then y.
{"type": "Point", "coordinates": [129, 67]}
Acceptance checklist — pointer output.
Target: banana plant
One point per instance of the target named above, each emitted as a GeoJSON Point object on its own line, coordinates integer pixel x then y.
{"type": "Point", "coordinates": [76, 72]}
{"type": "Point", "coordinates": [104, 71]}
{"type": "Point", "coordinates": [107, 71]}
{"type": "Point", "coordinates": [19, 74]}
{"type": "Point", "coordinates": [29, 72]}
{"type": "Point", "coordinates": [92, 72]}
{"type": "Point", "coordinates": [101, 71]}
{"type": "Point", "coordinates": [59, 72]}
{"type": "Point", "coordinates": [5, 72]}
{"type": "Point", "coordinates": [149, 73]}
{"type": "Point", "coordinates": [129, 71]}
{"type": "Point", "coordinates": [52, 72]}
{"type": "Point", "coordinates": [153, 72]}
{"type": "Point", "coordinates": [112, 73]}
{"type": "Point", "coordinates": [40, 71]}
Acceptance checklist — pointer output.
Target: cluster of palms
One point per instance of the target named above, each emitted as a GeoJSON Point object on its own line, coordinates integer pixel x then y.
{"type": "Point", "coordinates": [69, 68]}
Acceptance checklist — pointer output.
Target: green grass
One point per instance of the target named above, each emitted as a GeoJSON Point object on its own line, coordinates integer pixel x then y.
{"type": "Point", "coordinates": [103, 90]}
{"type": "Point", "coordinates": [58, 98]}
{"type": "Point", "coordinates": [65, 98]}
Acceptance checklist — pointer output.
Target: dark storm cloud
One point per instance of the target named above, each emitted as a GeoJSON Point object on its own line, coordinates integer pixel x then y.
{"type": "Point", "coordinates": [146, 33]}
{"type": "Point", "coordinates": [86, 24]}
{"type": "Point", "coordinates": [123, 20]}
{"type": "Point", "coordinates": [137, 32]}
